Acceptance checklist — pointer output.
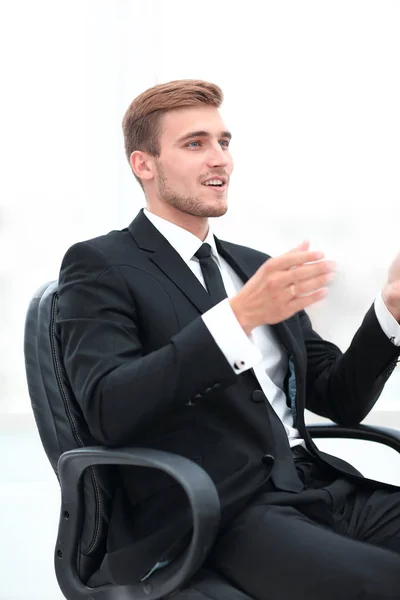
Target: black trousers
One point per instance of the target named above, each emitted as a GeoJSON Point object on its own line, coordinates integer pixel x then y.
{"type": "Point", "coordinates": [335, 540]}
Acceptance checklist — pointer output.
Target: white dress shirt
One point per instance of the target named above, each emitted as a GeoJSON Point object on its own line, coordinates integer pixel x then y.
{"type": "Point", "coordinates": [259, 351]}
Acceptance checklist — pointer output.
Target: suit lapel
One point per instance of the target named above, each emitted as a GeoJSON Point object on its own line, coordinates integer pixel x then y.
{"type": "Point", "coordinates": [162, 254]}
{"type": "Point", "coordinates": [172, 265]}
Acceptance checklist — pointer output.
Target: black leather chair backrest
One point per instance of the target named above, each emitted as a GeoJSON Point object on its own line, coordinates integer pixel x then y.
{"type": "Point", "coordinates": [61, 424]}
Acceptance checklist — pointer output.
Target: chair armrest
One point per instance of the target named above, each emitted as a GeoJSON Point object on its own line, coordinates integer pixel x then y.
{"type": "Point", "coordinates": [204, 502]}
{"type": "Point", "coordinates": [373, 433]}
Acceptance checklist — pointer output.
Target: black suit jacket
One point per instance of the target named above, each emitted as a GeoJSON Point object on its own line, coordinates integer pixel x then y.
{"type": "Point", "coordinates": [147, 372]}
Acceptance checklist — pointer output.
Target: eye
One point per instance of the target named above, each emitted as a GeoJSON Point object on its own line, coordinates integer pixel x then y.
{"type": "Point", "coordinates": [225, 143]}
{"type": "Point", "coordinates": [189, 145]}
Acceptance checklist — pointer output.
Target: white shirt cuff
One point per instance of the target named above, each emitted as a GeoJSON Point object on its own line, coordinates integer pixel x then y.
{"type": "Point", "coordinates": [387, 321]}
{"type": "Point", "coordinates": [241, 353]}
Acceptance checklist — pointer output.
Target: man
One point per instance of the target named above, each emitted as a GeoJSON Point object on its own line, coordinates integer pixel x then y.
{"type": "Point", "coordinates": [176, 340]}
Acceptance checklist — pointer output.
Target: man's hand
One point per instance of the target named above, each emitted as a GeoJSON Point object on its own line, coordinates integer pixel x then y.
{"type": "Point", "coordinates": [391, 291]}
{"type": "Point", "coordinates": [282, 286]}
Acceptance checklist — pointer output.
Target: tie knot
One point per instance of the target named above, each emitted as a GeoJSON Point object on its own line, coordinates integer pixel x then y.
{"type": "Point", "coordinates": [203, 252]}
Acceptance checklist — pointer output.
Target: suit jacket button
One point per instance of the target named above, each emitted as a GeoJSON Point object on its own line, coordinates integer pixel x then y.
{"type": "Point", "coordinates": [268, 460]}
{"type": "Point", "coordinates": [258, 396]}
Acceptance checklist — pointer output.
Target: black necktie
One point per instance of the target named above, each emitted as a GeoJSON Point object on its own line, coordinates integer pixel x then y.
{"type": "Point", "coordinates": [211, 273]}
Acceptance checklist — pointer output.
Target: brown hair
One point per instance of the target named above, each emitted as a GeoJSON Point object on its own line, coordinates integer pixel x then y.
{"type": "Point", "coordinates": [141, 124]}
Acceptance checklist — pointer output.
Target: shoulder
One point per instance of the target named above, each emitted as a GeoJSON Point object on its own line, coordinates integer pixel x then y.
{"type": "Point", "coordinates": [102, 251]}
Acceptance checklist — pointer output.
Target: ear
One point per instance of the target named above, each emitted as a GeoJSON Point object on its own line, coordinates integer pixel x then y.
{"type": "Point", "coordinates": [142, 164]}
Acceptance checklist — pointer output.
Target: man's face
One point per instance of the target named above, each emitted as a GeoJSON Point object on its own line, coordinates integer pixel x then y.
{"type": "Point", "coordinates": [194, 144]}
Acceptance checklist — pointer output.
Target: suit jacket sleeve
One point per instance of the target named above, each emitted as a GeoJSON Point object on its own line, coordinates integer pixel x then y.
{"type": "Point", "coordinates": [345, 386]}
{"type": "Point", "coordinates": [119, 388]}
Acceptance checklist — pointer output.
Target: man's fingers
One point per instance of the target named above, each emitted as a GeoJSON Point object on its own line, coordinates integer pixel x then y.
{"type": "Point", "coordinates": [300, 303]}
{"type": "Point", "coordinates": [303, 246]}
{"type": "Point", "coordinates": [309, 272]}
{"type": "Point", "coordinates": [310, 285]}
{"type": "Point", "coordinates": [293, 259]}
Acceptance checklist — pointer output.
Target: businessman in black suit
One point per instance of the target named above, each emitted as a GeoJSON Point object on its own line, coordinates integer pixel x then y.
{"type": "Point", "coordinates": [174, 339]}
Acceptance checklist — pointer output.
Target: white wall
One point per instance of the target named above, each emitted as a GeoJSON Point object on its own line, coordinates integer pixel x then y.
{"type": "Point", "coordinates": [312, 95]}
{"type": "Point", "coordinates": [66, 69]}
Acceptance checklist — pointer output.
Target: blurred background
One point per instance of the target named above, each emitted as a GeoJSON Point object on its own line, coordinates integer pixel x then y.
{"type": "Point", "coordinates": [312, 96]}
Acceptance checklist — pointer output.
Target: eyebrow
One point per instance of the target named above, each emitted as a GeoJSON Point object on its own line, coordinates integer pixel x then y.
{"type": "Point", "coordinates": [202, 133]}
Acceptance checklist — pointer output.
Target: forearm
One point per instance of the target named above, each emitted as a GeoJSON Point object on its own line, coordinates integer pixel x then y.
{"type": "Point", "coordinates": [143, 391]}
{"type": "Point", "coordinates": [344, 387]}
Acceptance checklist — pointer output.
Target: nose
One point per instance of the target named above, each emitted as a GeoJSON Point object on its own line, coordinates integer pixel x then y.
{"type": "Point", "coordinates": [217, 156]}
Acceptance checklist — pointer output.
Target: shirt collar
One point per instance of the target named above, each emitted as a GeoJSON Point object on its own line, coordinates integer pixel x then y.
{"type": "Point", "coordinates": [184, 242]}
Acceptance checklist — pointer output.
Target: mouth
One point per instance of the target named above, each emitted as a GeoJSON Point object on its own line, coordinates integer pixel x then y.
{"type": "Point", "coordinates": [216, 183]}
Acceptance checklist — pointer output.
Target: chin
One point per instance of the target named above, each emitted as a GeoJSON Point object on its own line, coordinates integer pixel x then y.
{"type": "Point", "coordinates": [219, 211]}
{"type": "Point", "coordinates": [200, 207]}
{"type": "Point", "coordinates": [207, 209]}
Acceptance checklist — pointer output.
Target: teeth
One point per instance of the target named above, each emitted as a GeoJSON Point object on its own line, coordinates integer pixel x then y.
{"type": "Point", "coordinates": [213, 182]}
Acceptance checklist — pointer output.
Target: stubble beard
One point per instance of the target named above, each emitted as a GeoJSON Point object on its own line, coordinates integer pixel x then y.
{"type": "Point", "coordinates": [191, 205]}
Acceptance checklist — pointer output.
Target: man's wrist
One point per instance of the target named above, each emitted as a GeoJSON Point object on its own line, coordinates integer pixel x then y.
{"type": "Point", "coordinates": [389, 325]}
{"type": "Point", "coordinates": [240, 315]}
{"type": "Point", "coordinates": [392, 303]}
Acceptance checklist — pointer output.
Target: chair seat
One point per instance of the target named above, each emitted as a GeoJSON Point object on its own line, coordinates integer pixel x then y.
{"type": "Point", "coordinates": [205, 585]}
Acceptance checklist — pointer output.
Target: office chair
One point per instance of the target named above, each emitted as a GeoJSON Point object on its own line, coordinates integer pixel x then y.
{"type": "Point", "coordinates": [86, 474]}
